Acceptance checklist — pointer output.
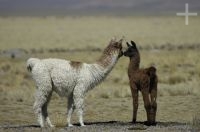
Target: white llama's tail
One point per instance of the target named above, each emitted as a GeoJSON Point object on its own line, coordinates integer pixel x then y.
{"type": "Point", "coordinates": [31, 63]}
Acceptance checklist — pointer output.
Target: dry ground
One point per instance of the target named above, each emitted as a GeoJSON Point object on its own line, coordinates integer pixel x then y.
{"type": "Point", "coordinates": [164, 42]}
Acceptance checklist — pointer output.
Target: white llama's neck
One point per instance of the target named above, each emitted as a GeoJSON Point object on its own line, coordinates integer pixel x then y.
{"type": "Point", "coordinates": [112, 61]}
{"type": "Point", "coordinates": [103, 67]}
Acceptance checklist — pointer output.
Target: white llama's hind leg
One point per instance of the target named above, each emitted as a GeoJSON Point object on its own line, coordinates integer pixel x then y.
{"type": "Point", "coordinates": [70, 109]}
{"type": "Point", "coordinates": [45, 112]}
{"type": "Point", "coordinates": [40, 108]}
{"type": "Point", "coordinates": [39, 102]}
{"type": "Point", "coordinates": [43, 93]}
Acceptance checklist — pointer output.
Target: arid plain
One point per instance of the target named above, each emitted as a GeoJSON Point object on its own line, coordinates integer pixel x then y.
{"type": "Point", "coordinates": [165, 42]}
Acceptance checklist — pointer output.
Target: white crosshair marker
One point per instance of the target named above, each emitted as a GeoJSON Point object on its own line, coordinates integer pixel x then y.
{"type": "Point", "coordinates": [186, 14]}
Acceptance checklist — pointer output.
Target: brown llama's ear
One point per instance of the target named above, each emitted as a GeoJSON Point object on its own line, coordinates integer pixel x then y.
{"type": "Point", "coordinates": [133, 43]}
{"type": "Point", "coordinates": [128, 45]}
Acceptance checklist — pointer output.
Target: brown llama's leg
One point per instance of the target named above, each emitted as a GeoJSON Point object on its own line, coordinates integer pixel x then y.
{"type": "Point", "coordinates": [146, 99]}
{"type": "Point", "coordinates": [153, 106]}
{"type": "Point", "coordinates": [134, 92]}
{"type": "Point", "coordinates": [153, 102]}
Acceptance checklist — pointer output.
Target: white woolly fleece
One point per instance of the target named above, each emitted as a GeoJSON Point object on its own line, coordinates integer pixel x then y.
{"type": "Point", "coordinates": [67, 80]}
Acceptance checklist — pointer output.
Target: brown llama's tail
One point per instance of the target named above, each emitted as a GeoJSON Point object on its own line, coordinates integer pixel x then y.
{"type": "Point", "coordinates": [151, 72]}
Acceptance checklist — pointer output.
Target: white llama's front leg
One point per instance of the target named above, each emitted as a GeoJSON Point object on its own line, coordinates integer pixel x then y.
{"type": "Point", "coordinates": [80, 113]}
{"type": "Point", "coordinates": [70, 109]}
{"type": "Point", "coordinates": [79, 104]}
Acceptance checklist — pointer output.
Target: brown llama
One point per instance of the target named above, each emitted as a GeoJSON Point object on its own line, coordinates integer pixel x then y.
{"type": "Point", "coordinates": [144, 80]}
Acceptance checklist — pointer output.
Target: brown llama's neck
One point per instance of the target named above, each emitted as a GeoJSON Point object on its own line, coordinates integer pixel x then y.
{"type": "Point", "coordinates": [134, 62]}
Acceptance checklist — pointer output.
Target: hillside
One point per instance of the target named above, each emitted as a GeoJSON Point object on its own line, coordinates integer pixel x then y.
{"type": "Point", "coordinates": [94, 7]}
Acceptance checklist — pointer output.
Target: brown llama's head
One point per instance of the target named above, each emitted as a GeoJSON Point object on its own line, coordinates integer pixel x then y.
{"type": "Point", "coordinates": [114, 47]}
{"type": "Point", "coordinates": [132, 50]}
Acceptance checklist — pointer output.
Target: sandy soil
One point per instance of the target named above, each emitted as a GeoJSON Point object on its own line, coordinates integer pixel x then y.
{"type": "Point", "coordinates": [111, 126]}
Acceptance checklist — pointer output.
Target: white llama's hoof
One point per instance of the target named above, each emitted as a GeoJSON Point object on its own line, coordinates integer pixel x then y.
{"type": "Point", "coordinates": [70, 125]}
{"type": "Point", "coordinates": [52, 126]}
{"type": "Point", "coordinates": [83, 125]}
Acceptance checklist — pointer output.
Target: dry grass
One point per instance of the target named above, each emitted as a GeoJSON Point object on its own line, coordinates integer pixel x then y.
{"type": "Point", "coordinates": [178, 69]}
{"type": "Point", "coordinates": [196, 123]}
{"type": "Point", "coordinates": [52, 32]}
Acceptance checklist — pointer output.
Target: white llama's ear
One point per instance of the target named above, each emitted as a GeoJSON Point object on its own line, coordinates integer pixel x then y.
{"type": "Point", "coordinates": [113, 39]}
{"type": "Point", "coordinates": [121, 40]}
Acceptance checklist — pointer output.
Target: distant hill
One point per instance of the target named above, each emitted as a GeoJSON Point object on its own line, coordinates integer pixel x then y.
{"type": "Point", "coordinates": [95, 7]}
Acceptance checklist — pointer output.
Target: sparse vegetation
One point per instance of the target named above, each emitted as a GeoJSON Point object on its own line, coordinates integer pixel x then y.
{"type": "Point", "coordinates": [164, 42]}
{"type": "Point", "coordinates": [196, 123]}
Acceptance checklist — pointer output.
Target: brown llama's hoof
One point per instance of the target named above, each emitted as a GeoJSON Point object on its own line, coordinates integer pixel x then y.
{"type": "Point", "coordinates": [153, 124]}
{"type": "Point", "coordinates": [134, 121]}
{"type": "Point", "coordinates": [149, 123]}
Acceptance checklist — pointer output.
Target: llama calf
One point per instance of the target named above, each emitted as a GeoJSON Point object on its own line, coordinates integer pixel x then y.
{"type": "Point", "coordinates": [70, 79]}
{"type": "Point", "coordinates": [144, 80]}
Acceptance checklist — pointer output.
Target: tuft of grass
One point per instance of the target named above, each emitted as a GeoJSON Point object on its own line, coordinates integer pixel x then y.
{"type": "Point", "coordinates": [28, 33]}
{"type": "Point", "coordinates": [181, 89]}
{"type": "Point", "coordinates": [122, 93]}
{"type": "Point", "coordinates": [105, 95]}
{"type": "Point", "coordinates": [59, 119]}
{"type": "Point", "coordinates": [174, 79]}
{"type": "Point", "coordinates": [195, 123]}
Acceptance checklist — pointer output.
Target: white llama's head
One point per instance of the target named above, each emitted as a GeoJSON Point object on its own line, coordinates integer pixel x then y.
{"type": "Point", "coordinates": [114, 48]}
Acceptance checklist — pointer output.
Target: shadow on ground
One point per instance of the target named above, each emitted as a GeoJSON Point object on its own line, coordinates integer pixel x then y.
{"type": "Point", "coordinates": [105, 126]}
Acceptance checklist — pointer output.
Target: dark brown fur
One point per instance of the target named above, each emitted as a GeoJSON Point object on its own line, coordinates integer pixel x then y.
{"type": "Point", "coordinates": [144, 80]}
{"type": "Point", "coordinates": [75, 64]}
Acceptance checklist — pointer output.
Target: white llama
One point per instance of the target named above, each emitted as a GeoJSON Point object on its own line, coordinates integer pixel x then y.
{"type": "Point", "coordinates": [70, 79]}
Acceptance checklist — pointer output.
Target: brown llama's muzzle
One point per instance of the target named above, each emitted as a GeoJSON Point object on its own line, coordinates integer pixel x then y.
{"type": "Point", "coordinates": [121, 53]}
{"type": "Point", "coordinates": [125, 54]}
